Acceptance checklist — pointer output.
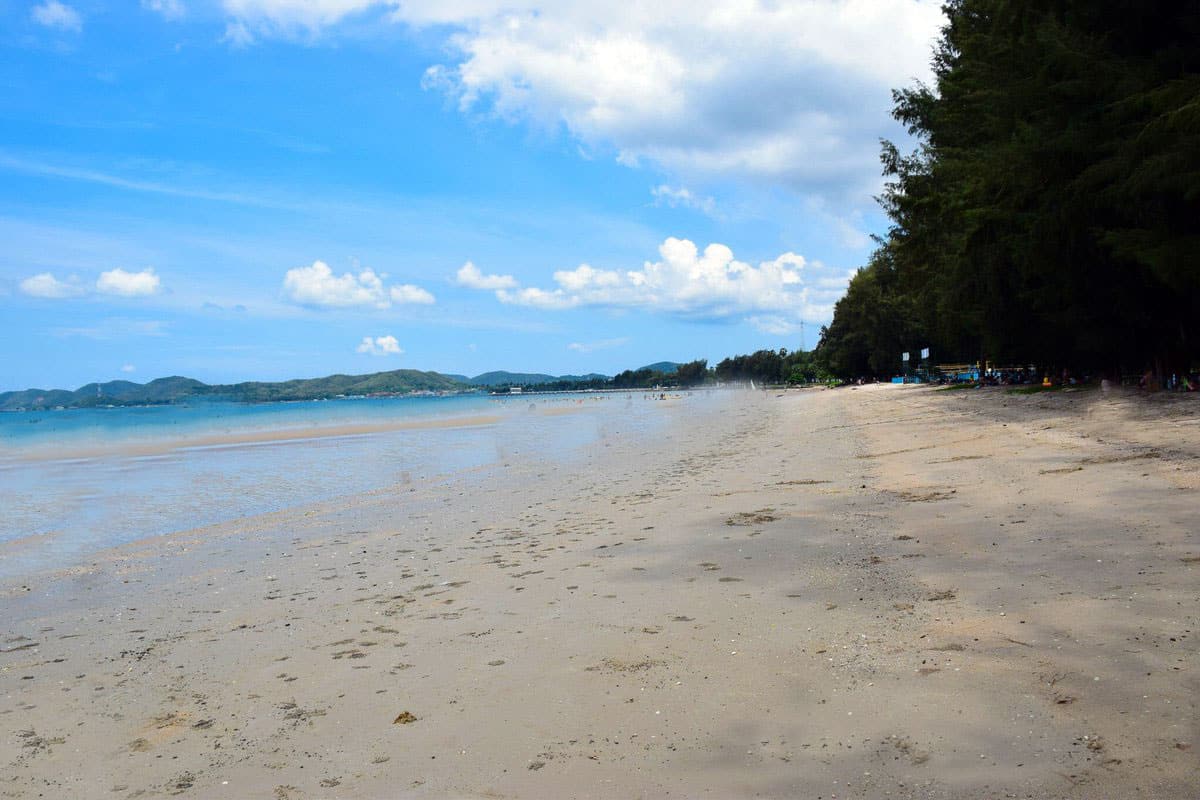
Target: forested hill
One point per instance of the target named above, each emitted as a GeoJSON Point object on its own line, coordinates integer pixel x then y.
{"type": "Point", "coordinates": [1051, 211]}
{"type": "Point", "coordinates": [398, 381]}
{"type": "Point", "coordinates": [764, 366]}
{"type": "Point", "coordinates": [177, 389]}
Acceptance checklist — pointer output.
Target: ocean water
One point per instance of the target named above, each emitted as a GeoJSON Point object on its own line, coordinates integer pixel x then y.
{"type": "Point", "coordinates": [77, 481]}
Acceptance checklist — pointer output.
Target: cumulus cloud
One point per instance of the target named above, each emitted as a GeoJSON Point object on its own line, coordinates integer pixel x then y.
{"type": "Point", "coordinates": [688, 281]}
{"type": "Point", "coordinates": [695, 284]}
{"type": "Point", "coordinates": [318, 287]}
{"type": "Point", "coordinates": [379, 346]}
{"type": "Point", "coordinates": [470, 276]}
{"type": "Point", "coordinates": [128, 368]}
{"type": "Point", "coordinates": [169, 9]}
{"type": "Point", "coordinates": [46, 285]}
{"type": "Point", "coordinates": [117, 282]}
{"type": "Point", "coordinates": [53, 14]}
{"type": "Point", "coordinates": [128, 284]}
{"type": "Point", "coordinates": [407, 293]}
{"type": "Point", "coordinates": [794, 92]}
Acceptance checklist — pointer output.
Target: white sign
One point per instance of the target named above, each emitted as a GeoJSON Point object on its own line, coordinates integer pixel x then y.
{"type": "Point", "coordinates": [925, 353]}
{"type": "Point", "coordinates": [904, 356]}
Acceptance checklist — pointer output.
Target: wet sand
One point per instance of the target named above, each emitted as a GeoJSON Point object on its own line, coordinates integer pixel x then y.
{"type": "Point", "coordinates": [875, 592]}
{"type": "Point", "coordinates": [244, 438]}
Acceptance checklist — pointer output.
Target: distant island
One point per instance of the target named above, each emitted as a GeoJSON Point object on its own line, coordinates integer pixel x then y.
{"type": "Point", "coordinates": [177, 389]}
{"type": "Point", "coordinates": [763, 367]}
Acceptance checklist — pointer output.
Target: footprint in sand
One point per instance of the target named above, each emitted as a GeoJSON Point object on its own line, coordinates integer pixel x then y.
{"type": "Point", "coordinates": [758, 517]}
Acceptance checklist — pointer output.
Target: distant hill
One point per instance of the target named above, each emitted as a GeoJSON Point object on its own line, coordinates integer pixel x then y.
{"type": "Point", "coordinates": [398, 381]}
{"type": "Point", "coordinates": [160, 390]}
{"type": "Point", "coordinates": [36, 398]}
{"type": "Point", "coordinates": [665, 367]}
{"type": "Point", "coordinates": [177, 389]}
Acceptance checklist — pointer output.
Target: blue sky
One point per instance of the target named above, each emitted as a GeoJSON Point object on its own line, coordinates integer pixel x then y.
{"type": "Point", "coordinates": [267, 189]}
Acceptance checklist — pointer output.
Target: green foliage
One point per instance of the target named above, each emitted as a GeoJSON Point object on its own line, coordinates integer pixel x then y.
{"type": "Point", "coordinates": [771, 367]}
{"type": "Point", "coordinates": [1051, 212]}
{"type": "Point", "coordinates": [567, 383]}
{"type": "Point", "coordinates": [643, 378]}
{"type": "Point", "coordinates": [502, 378]}
{"type": "Point", "coordinates": [692, 373]}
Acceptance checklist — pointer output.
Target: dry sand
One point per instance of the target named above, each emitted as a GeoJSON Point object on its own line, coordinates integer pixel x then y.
{"type": "Point", "coordinates": [875, 592]}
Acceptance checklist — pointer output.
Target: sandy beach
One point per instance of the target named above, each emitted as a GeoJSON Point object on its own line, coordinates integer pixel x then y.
{"type": "Point", "coordinates": [859, 593]}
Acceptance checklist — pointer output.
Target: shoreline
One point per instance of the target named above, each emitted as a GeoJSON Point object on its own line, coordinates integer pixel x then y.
{"type": "Point", "coordinates": [248, 438]}
{"type": "Point", "coordinates": [866, 592]}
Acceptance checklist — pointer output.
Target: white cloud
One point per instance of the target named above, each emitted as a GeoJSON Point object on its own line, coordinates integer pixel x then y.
{"type": "Point", "coordinates": [318, 287]}
{"type": "Point", "coordinates": [407, 293]}
{"type": "Point", "coordinates": [470, 276]}
{"type": "Point", "coordinates": [682, 196]}
{"type": "Point", "coordinates": [688, 283]}
{"type": "Point", "coordinates": [603, 344]}
{"type": "Point", "coordinates": [538, 298]}
{"type": "Point", "coordinates": [46, 285]}
{"type": "Point", "coordinates": [115, 282]}
{"type": "Point", "coordinates": [379, 346]}
{"type": "Point", "coordinates": [54, 14]}
{"type": "Point", "coordinates": [792, 92]}
{"type": "Point", "coordinates": [169, 9]}
{"type": "Point", "coordinates": [128, 284]}
{"type": "Point", "coordinates": [128, 368]}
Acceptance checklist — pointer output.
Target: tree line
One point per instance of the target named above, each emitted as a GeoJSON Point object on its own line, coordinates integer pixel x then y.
{"type": "Point", "coordinates": [1050, 213]}
{"type": "Point", "coordinates": [763, 367]}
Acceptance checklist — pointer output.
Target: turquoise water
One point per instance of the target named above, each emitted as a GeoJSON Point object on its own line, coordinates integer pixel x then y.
{"type": "Point", "coordinates": [77, 481]}
{"type": "Point", "coordinates": [83, 426]}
